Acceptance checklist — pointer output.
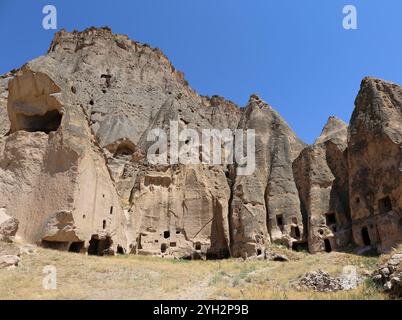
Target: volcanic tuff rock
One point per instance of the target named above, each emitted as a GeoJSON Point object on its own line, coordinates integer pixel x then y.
{"type": "Point", "coordinates": [74, 173]}
{"type": "Point", "coordinates": [321, 177]}
{"type": "Point", "coordinates": [265, 204]}
{"type": "Point", "coordinates": [374, 161]}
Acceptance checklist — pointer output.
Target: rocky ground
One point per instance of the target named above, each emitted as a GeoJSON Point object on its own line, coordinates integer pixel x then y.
{"type": "Point", "coordinates": [303, 276]}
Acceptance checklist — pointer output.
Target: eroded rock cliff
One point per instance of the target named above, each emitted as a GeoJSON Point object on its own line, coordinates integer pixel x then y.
{"type": "Point", "coordinates": [74, 171]}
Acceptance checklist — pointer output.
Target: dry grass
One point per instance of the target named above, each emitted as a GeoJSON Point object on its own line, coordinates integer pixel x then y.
{"type": "Point", "coordinates": [138, 277]}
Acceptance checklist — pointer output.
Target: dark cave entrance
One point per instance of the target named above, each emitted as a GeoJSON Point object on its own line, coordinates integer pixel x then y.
{"type": "Point", "coordinates": [330, 219]}
{"type": "Point", "coordinates": [47, 123]}
{"type": "Point", "coordinates": [300, 246]}
{"type": "Point", "coordinates": [222, 253]}
{"type": "Point", "coordinates": [120, 250]}
{"type": "Point", "coordinates": [295, 232]}
{"type": "Point", "coordinates": [98, 246]}
{"type": "Point", "coordinates": [124, 149]}
{"type": "Point", "coordinates": [327, 244]}
{"type": "Point", "coordinates": [76, 246]}
{"type": "Point", "coordinates": [279, 221]}
{"type": "Point", "coordinates": [385, 205]}
{"type": "Point", "coordinates": [56, 245]}
{"type": "Point", "coordinates": [366, 237]}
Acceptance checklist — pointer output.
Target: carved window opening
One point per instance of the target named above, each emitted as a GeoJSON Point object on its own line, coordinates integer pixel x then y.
{"type": "Point", "coordinates": [46, 123]}
{"type": "Point", "coordinates": [76, 246]}
{"type": "Point", "coordinates": [385, 205]}
{"type": "Point", "coordinates": [279, 221]}
{"type": "Point", "coordinates": [97, 247]}
{"type": "Point", "coordinates": [330, 218]}
{"type": "Point", "coordinates": [120, 250]}
{"type": "Point", "coordinates": [366, 236]}
{"type": "Point", "coordinates": [295, 232]}
{"type": "Point", "coordinates": [327, 245]}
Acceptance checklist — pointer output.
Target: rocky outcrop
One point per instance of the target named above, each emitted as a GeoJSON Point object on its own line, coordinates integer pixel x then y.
{"type": "Point", "coordinates": [8, 225]}
{"type": "Point", "coordinates": [9, 261]}
{"type": "Point", "coordinates": [389, 275]}
{"type": "Point", "coordinates": [374, 161]}
{"type": "Point", "coordinates": [77, 125]}
{"type": "Point", "coordinates": [51, 165]}
{"type": "Point", "coordinates": [321, 176]}
{"type": "Point", "coordinates": [265, 205]}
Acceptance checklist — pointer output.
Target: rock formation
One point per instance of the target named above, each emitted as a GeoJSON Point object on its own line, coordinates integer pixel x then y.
{"type": "Point", "coordinates": [75, 173]}
{"type": "Point", "coordinates": [374, 161]}
{"type": "Point", "coordinates": [265, 204]}
{"type": "Point", "coordinates": [321, 175]}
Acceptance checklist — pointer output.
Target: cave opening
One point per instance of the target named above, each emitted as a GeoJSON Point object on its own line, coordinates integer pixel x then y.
{"type": "Point", "coordinates": [279, 220]}
{"type": "Point", "coordinates": [56, 245]}
{"type": "Point", "coordinates": [327, 245]}
{"type": "Point", "coordinates": [295, 232]}
{"type": "Point", "coordinates": [97, 247]}
{"type": "Point", "coordinates": [330, 218]}
{"type": "Point", "coordinates": [366, 237]}
{"type": "Point", "coordinates": [163, 247]}
{"type": "Point", "coordinates": [46, 123]}
{"type": "Point", "coordinates": [197, 246]}
{"type": "Point", "coordinates": [222, 253]}
{"type": "Point", "coordinates": [166, 234]}
{"type": "Point", "coordinates": [76, 246]}
{"type": "Point", "coordinates": [385, 205]}
{"type": "Point", "coordinates": [300, 246]}
{"type": "Point", "coordinates": [124, 149]}
{"type": "Point", "coordinates": [120, 250]}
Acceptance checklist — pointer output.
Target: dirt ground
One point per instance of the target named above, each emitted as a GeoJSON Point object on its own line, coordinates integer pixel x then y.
{"type": "Point", "coordinates": [138, 277]}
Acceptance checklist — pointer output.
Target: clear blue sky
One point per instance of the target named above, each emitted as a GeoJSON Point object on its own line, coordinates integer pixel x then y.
{"type": "Point", "coordinates": [293, 53]}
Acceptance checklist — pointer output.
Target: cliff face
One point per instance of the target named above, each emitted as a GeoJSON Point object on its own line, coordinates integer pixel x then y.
{"type": "Point", "coordinates": [374, 157]}
{"type": "Point", "coordinates": [322, 180]}
{"type": "Point", "coordinates": [265, 205]}
{"type": "Point", "coordinates": [74, 171]}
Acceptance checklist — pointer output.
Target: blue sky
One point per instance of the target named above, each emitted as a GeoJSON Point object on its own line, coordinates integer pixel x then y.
{"type": "Point", "coordinates": [295, 54]}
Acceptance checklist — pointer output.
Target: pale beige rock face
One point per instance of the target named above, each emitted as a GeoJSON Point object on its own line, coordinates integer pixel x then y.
{"type": "Point", "coordinates": [121, 89]}
{"type": "Point", "coordinates": [50, 165]}
{"type": "Point", "coordinates": [322, 180]}
{"type": "Point", "coordinates": [4, 121]}
{"type": "Point", "coordinates": [74, 171]}
{"type": "Point", "coordinates": [266, 205]}
{"type": "Point", "coordinates": [181, 212]}
{"type": "Point", "coordinates": [374, 156]}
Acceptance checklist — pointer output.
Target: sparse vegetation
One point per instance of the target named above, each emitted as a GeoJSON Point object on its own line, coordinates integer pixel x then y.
{"type": "Point", "coordinates": [142, 277]}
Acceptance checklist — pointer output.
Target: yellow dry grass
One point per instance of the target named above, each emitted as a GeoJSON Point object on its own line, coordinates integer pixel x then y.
{"type": "Point", "coordinates": [140, 277]}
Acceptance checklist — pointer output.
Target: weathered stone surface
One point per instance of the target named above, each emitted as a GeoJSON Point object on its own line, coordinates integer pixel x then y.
{"type": "Point", "coordinates": [8, 225]}
{"type": "Point", "coordinates": [374, 157]}
{"type": "Point", "coordinates": [322, 179]}
{"type": "Point", "coordinates": [320, 281]}
{"type": "Point", "coordinates": [50, 163]}
{"type": "Point", "coordinates": [9, 261]}
{"type": "Point", "coordinates": [74, 172]}
{"type": "Point", "coordinates": [389, 275]}
{"type": "Point", "coordinates": [4, 121]}
{"type": "Point", "coordinates": [265, 204]}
